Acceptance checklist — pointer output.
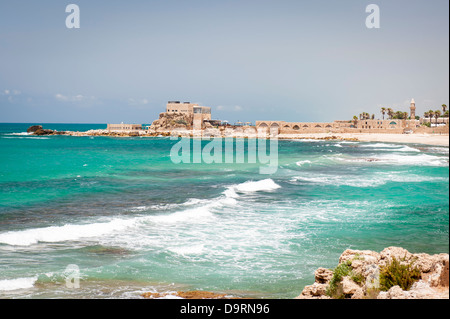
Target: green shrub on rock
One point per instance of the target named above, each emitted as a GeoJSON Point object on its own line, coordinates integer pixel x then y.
{"type": "Point", "coordinates": [399, 273]}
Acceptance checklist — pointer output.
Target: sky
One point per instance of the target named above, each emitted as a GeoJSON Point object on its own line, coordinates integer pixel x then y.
{"type": "Point", "coordinates": [289, 60]}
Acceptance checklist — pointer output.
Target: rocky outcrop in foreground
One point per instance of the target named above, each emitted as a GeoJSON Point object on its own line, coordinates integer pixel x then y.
{"type": "Point", "coordinates": [365, 274]}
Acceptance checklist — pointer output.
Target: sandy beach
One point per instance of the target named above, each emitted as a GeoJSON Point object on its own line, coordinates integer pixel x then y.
{"type": "Point", "coordinates": [428, 139]}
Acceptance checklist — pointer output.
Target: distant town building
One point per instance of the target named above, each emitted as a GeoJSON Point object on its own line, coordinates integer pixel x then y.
{"type": "Point", "coordinates": [124, 127]}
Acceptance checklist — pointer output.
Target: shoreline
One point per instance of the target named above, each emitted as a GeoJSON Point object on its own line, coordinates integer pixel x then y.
{"type": "Point", "coordinates": [425, 139]}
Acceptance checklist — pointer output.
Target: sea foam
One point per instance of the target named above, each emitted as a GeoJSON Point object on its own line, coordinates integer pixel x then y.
{"type": "Point", "coordinates": [198, 211]}
{"type": "Point", "coordinates": [18, 283]}
{"type": "Point", "coordinates": [301, 163]}
{"type": "Point", "coordinates": [67, 232]}
{"type": "Point", "coordinates": [369, 181]}
{"type": "Point", "coordinates": [391, 147]}
{"type": "Point", "coordinates": [263, 185]}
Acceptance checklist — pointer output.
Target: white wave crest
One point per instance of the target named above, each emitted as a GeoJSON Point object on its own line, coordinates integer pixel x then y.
{"type": "Point", "coordinates": [391, 147]}
{"type": "Point", "coordinates": [21, 133]}
{"type": "Point", "coordinates": [187, 250]}
{"type": "Point", "coordinates": [29, 137]}
{"type": "Point", "coordinates": [301, 163]}
{"type": "Point", "coordinates": [367, 181]}
{"type": "Point", "coordinates": [398, 159]}
{"type": "Point", "coordinates": [18, 283]}
{"type": "Point", "coordinates": [198, 214]}
{"type": "Point", "coordinates": [68, 232]}
{"type": "Point", "coordinates": [198, 211]}
{"type": "Point", "coordinates": [420, 160]}
{"type": "Point", "coordinates": [263, 185]}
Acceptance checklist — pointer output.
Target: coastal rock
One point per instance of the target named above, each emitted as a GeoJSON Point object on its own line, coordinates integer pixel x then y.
{"type": "Point", "coordinates": [401, 254]}
{"type": "Point", "coordinates": [420, 290]}
{"type": "Point", "coordinates": [323, 275]}
{"type": "Point", "coordinates": [436, 270]}
{"type": "Point", "coordinates": [34, 128]}
{"type": "Point", "coordinates": [350, 289]}
{"type": "Point", "coordinates": [314, 291]}
{"type": "Point", "coordinates": [394, 293]}
{"type": "Point", "coordinates": [365, 266]}
{"type": "Point", "coordinates": [43, 132]}
{"type": "Point", "coordinates": [170, 121]}
{"type": "Point", "coordinates": [319, 288]}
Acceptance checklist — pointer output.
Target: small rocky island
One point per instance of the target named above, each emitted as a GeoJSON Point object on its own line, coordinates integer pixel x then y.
{"type": "Point", "coordinates": [39, 130]}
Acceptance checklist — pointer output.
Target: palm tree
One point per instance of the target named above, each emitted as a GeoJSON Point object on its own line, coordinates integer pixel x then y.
{"type": "Point", "coordinates": [444, 108]}
{"type": "Point", "coordinates": [437, 114]}
{"type": "Point", "coordinates": [355, 120]}
{"type": "Point", "coordinates": [383, 111]}
{"type": "Point", "coordinates": [430, 115]}
{"type": "Point", "coordinates": [426, 115]}
{"type": "Point", "coordinates": [390, 113]}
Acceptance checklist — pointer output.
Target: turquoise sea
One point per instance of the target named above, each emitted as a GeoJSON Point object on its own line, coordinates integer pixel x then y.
{"type": "Point", "coordinates": [132, 221]}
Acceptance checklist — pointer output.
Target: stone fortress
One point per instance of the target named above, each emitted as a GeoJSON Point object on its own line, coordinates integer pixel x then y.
{"type": "Point", "coordinates": [199, 114]}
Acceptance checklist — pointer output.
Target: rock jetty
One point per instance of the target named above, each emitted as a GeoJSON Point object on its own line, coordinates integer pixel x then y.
{"type": "Point", "coordinates": [365, 274]}
{"type": "Point", "coordinates": [173, 126]}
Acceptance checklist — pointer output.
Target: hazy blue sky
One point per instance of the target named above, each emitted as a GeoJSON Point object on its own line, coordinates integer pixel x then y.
{"type": "Point", "coordinates": [302, 60]}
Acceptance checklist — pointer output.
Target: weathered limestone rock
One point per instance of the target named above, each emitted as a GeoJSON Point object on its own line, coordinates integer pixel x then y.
{"type": "Point", "coordinates": [349, 287]}
{"type": "Point", "coordinates": [435, 270]}
{"type": "Point", "coordinates": [323, 275]}
{"type": "Point", "coordinates": [394, 293]}
{"type": "Point", "coordinates": [401, 254]}
{"type": "Point", "coordinates": [34, 128]}
{"type": "Point", "coordinates": [43, 132]}
{"type": "Point", "coordinates": [169, 121]}
{"type": "Point", "coordinates": [314, 291]}
{"type": "Point", "coordinates": [319, 288]}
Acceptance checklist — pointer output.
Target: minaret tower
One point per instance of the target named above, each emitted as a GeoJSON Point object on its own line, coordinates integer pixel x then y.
{"type": "Point", "coordinates": [413, 109]}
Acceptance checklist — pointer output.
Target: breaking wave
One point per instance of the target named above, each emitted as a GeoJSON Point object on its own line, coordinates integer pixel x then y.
{"type": "Point", "coordinates": [369, 181]}
{"type": "Point", "coordinates": [18, 283]}
{"type": "Point", "coordinates": [201, 211]}
{"type": "Point", "coordinates": [398, 159]}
